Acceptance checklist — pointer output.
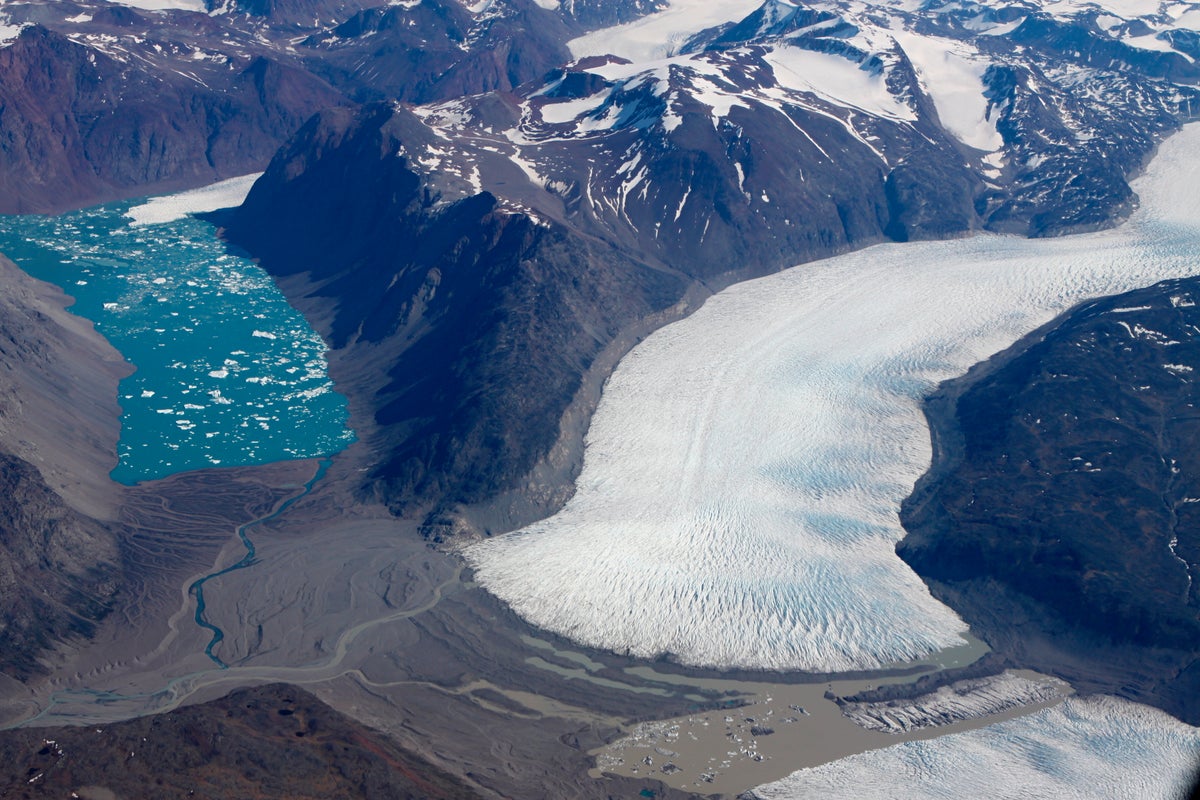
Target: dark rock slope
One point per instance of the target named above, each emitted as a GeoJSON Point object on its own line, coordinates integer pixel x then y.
{"type": "Point", "coordinates": [59, 570]}
{"type": "Point", "coordinates": [269, 742]}
{"type": "Point", "coordinates": [1062, 514]}
{"type": "Point", "coordinates": [81, 125]}
{"type": "Point", "coordinates": [60, 565]}
{"type": "Point", "coordinates": [100, 101]}
{"type": "Point", "coordinates": [439, 50]}
{"type": "Point", "coordinates": [478, 322]}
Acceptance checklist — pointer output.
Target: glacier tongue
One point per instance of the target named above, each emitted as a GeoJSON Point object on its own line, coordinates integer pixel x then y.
{"type": "Point", "coordinates": [738, 501]}
{"type": "Point", "coordinates": [1099, 747]}
{"type": "Point", "coordinates": [172, 207]}
{"type": "Point", "coordinates": [662, 33]}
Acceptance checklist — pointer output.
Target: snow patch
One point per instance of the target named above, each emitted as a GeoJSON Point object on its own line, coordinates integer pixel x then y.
{"type": "Point", "coordinates": [952, 74]}
{"type": "Point", "coordinates": [166, 5]}
{"type": "Point", "coordinates": [9, 33]}
{"type": "Point", "coordinates": [660, 34]}
{"type": "Point", "coordinates": [570, 110]}
{"type": "Point", "coordinates": [838, 79]}
{"type": "Point", "coordinates": [1126, 9]}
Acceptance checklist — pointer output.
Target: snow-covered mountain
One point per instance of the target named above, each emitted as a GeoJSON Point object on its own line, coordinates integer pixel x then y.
{"type": "Point", "coordinates": [697, 145]}
{"type": "Point", "coordinates": [1034, 117]}
{"type": "Point", "coordinates": [1044, 109]}
{"type": "Point", "coordinates": [105, 100]}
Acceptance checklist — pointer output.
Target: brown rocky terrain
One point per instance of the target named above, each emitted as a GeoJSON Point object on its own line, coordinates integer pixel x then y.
{"type": "Point", "coordinates": [59, 573]}
{"type": "Point", "coordinates": [269, 741]}
{"type": "Point", "coordinates": [438, 50]}
{"type": "Point", "coordinates": [101, 101]}
{"type": "Point", "coordinates": [60, 564]}
{"type": "Point", "coordinates": [82, 126]}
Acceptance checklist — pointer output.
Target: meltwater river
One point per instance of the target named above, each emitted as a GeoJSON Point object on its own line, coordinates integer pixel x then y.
{"type": "Point", "coordinates": [228, 374]}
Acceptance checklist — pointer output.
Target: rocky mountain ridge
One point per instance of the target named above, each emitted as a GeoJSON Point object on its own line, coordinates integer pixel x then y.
{"type": "Point", "coordinates": [104, 101]}
{"type": "Point", "coordinates": [1065, 104]}
{"type": "Point", "coordinates": [638, 186]}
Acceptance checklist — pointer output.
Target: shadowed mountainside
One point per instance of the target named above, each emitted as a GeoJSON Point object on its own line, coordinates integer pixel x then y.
{"type": "Point", "coordinates": [1061, 517]}
{"type": "Point", "coordinates": [482, 320]}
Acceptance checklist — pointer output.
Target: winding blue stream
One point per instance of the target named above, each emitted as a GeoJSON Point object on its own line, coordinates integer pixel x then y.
{"type": "Point", "coordinates": [227, 372]}
{"type": "Point", "coordinates": [248, 560]}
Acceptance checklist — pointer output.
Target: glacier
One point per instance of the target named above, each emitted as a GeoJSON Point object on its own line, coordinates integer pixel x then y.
{"type": "Point", "coordinates": [174, 207]}
{"type": "Point", "coordinates": [1099, 748]}
{"type": "Point", "coordinates": [738, 501]}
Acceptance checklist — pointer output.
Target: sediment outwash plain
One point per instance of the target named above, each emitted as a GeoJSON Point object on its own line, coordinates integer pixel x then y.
{"type": "Point", "coordinates": [480, 226]}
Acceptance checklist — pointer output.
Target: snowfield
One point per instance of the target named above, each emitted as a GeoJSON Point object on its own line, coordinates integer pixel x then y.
{"type": "Point", "coordinates": [167, 5]}
{"type": "Point", "coordinates": [661, 34]}
{"type": "Point", "coordinates": [1099, 748]}
{"type": "Point", "coordinates": [738, 501]}
{"type": "Point", "coordinates": [172, 207]}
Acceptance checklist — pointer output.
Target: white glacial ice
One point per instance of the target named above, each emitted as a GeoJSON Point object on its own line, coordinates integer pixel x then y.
{"type": "Point", "coordinates": [660, 34]}
{"type": "Point", "coordinates": [839, 79]}
{"type": "Point", "coordinates": [171, 207]}
{"type": "Point", "coordinates": [952, 74]}
{"type": "Point", "coordinates": [165, 5]}
{"type": "Point", "coordinates": [738, 503]}
{"type": "Point", "coordinates": [1099, 748]}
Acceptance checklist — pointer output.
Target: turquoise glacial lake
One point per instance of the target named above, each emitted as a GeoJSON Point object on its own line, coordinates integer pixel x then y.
{"type": "Point", "coordinates": [227, 373]}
